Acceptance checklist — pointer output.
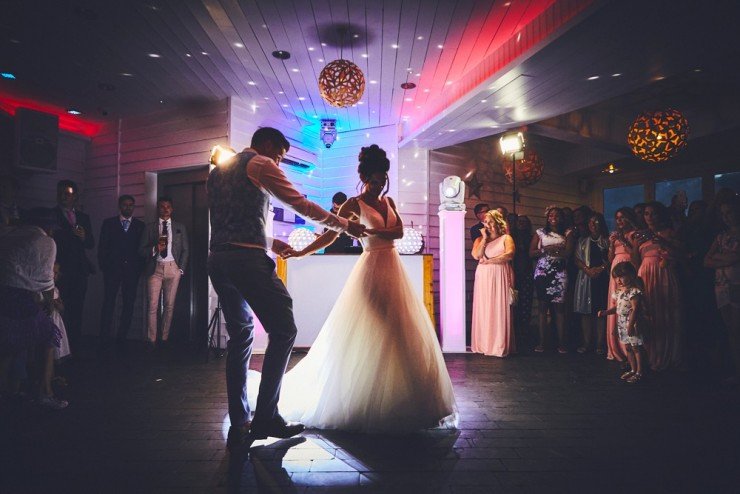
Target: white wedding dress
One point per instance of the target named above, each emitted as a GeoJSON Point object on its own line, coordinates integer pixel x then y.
{"type": "Point", "coordinates": [376, 365]}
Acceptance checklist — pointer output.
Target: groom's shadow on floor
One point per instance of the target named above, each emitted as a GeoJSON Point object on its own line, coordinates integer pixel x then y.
{"type": "Point", "coordinates": [342, 462]}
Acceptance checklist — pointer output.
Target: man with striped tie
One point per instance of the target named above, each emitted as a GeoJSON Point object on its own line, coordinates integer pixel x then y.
{"type": "Point", "coordinates": [121, 264]}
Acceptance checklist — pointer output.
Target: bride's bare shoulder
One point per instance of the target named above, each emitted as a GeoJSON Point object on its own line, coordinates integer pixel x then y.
{"type": "Point", "coordinates": [351, 206]}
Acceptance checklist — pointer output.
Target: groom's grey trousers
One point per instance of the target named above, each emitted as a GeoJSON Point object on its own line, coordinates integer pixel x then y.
{"type": "Point", "coordinates": [245, 281]}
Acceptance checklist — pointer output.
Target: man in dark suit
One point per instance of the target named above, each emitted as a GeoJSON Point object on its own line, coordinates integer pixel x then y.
{"type": "Point", "coordinates": [72, 238]}
{"type": "Point", "coordinates": [165, 245]}
{"type": "Point", "coordinates": [480, 211]}
{"type": "Point", "coordinates": [121, 264]}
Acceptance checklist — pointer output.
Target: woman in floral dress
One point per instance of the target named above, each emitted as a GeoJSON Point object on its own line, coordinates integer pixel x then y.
{"type": "Point", "coordinates": [552, 246]}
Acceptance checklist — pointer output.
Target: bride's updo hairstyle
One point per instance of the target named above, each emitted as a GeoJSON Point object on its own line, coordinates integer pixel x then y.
{"type": "Point", "coordinates": [373, 160]}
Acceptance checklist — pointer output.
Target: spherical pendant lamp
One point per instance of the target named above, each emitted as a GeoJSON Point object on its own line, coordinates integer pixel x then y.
{"type": "Point", "coordinates": [657, 136]}
{"type": "Point", "coordinates": [341, 83]}
{"type": "Point", "coordinates": [411, 242]}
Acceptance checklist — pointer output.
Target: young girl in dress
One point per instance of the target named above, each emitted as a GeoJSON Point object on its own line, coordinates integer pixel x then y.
{"type": "Point", "coordinates": [629, 311]}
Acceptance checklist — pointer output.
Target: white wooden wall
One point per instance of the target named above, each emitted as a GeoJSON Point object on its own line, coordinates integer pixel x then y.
{"type": "Point", "coordinates": [338, 165]}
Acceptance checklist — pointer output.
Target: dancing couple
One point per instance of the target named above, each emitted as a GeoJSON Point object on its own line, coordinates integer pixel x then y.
{"type": "Point", "coordinates": [376, 365]}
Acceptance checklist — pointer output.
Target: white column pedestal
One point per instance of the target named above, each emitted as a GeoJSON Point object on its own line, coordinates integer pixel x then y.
{"type": "Point", "coordinates": [452, 280]}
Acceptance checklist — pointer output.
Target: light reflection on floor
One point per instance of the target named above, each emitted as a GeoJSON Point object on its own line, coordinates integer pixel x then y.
{"type": "Point", "coordinates": [340, 461]}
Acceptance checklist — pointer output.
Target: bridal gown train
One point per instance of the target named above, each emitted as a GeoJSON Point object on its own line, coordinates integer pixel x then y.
{"type": "Point", "coordinates": [376, 365]}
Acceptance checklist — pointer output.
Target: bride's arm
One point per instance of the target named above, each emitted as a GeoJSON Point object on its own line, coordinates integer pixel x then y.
{"type": "Point", "coordinates": [350, 210]}
{"type": "Point", "coordinates": [391, 233]}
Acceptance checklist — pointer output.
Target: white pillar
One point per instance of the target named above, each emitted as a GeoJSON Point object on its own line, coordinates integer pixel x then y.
{"type": "Point", "coordinates": [452, 280]}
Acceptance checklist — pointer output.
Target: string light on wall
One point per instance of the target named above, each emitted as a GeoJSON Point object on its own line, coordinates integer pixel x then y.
{"type": "Point", "coordinates": [657, 136]}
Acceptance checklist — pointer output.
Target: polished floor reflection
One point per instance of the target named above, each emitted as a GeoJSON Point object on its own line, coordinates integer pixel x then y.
{"type": "Point", "coordinates": [530, 423]}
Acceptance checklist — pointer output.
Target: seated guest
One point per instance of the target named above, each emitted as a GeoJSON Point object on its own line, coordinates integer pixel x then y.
{"type": "Point", "coordinates": [27, 256]}
{"type": "Point", "coordinates": [344, 241]}
{"type": "Point", "coordinates": [480, 211]}
{"type": "Point", "coordinates": [121, 264]}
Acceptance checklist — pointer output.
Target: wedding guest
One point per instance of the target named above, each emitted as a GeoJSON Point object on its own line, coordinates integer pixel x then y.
{"type": "Point", "coordinates": [73, 239]}
{"type": "Point", "coordinates": [724, 257]}
{"type": "Point", "coordinates": [629, 309]}
{"type": "Point", "coordinates": [552, 247]}
{"type": "Point", "coordinates": [27, 254]}
{"type": "Point", "coordinates": [622, 248]}
{"type": "Point", "coordinates": [677, 210]}
{"type": "Point", "coordinates": [639, 210]}
{"type": "Point", "coordinates": [480, 211]}
{"type": "Point", "coordinates": [658, 252]}
{"type": "Point", "coordinates": [244, 277]}
{"type": "Point", "coordinates": [121, 264]}
{"type": "Point", "coordinates": [592, 282]}
{"type": "Point", "coordinates": [344, 241]}
{"type": "Point", "coordinates": [581, 216]}
{"type": "Point", "coordinates": [165, 245]}
{"type": "Point", "coordinates": [523, 276]}
{"type": "Point", "coordinates": [494, 279]}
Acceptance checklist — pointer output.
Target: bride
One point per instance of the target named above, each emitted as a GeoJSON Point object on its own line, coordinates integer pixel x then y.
{"type": "Point", "coordinates": [376, 365]}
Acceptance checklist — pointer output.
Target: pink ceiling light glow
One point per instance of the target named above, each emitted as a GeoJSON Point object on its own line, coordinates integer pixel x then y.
{"type": "Point", "coordinates": [70, 123]}
{"type": "Point", "coordinates": [489, 44]}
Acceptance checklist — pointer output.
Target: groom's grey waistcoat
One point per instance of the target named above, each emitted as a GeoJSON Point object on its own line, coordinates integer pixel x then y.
{"type": "Point", "coordinates": [237, 206]}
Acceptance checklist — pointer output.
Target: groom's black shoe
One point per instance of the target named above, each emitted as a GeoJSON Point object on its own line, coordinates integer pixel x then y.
{"type": "Point", "coordinates": [276, 427]}
{"type": "Point", "coordinates": [239, 439]}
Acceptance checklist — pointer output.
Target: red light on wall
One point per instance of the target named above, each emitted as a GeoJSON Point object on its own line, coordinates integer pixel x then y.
{"type": "Point", "coordinates": [67, 122]}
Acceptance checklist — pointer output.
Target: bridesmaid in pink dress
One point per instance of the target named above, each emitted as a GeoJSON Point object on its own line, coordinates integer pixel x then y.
{"type": "Point", "coordinates": [621, 249]}
{"type": "Point", "coordinates": [492, 315]}
{"type": "Point", "coordinates": [658, 252]}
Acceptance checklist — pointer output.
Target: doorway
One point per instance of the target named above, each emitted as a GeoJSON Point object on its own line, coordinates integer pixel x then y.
{"type": "Point", "coordinates": [190, 207]}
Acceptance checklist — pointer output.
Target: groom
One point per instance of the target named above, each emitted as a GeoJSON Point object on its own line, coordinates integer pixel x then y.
{"type": "Point", "coordinates": [244, 277]}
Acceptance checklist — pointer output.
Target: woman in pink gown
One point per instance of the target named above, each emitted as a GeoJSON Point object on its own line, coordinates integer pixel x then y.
{"type": "Point", "coordinates": [658, 253]}
{"type": "Point", "coordinates": [621, 249]}
{"type": "Point", "coordinates": [492, 315]}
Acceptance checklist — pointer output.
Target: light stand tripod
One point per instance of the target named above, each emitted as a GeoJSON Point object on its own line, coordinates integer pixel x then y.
{"type": "Point", "coordinates": [214, 334]}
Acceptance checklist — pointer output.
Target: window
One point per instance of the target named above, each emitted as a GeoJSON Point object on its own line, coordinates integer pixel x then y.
{"type": "Point", "coordinates": [664, 191]}
{"type": "Point", "coordinates": [620, 197]}
{"type": "Point", "coordinates": [729, 180]}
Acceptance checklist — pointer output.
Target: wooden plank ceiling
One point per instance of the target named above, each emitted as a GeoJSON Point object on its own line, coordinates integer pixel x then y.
{"type": "Point", "coordinates": [112, 58]}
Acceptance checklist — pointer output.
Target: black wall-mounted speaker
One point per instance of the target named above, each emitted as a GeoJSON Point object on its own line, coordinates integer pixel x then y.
{"type": "Point", "coordinates": [36, 141]}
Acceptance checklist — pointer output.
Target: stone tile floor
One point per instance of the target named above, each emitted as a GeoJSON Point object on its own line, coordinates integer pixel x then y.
{"type": "Point", "coordinates": [529, 423]}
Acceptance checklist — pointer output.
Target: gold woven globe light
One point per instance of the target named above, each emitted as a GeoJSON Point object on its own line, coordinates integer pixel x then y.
{"type": "Point", "coordinates": [528, 169]}
{"type": "Point", "coordinates": [658, 135]}
{"type": "Point", "coordinates": [341, 83]}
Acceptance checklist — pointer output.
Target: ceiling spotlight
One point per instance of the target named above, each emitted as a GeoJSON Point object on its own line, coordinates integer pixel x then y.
{"type": "Point", "coordinates": [204, 53]}
{"type": "Point", "coordinates": [294, 70]}
{"type": "Point", "coordinates": [127, 74]}
{"type": "Point", "coordinates": [483, 100]}
{"type": "Point", "coordinates": [394, 46]}
{"type": "Point", "coordinates": [323, 44]}
{"type": "Point", "coordinates": [301, 98]}
{"type": "Point", "coordinates": [239, 45]}
{"type": "Point", "coordinates": [364, 55]}
{"type": "Point", "coordinates": [440, 46]}
{"type": "Point", "coordinates": [74, 111]}
{"type": "Point", "coordinates": [355, 36]}
{"type": "Point", "coordinates": [592, 78]}
{"type": "Point", "coordinates": [188, 55]}
{"type": "Point", "coordinates": [328, 131]}
{"type": "Point", "coordinates": [420, 38]}
{"type": "Point", "coordinates": [408, 99]}
{"type": "Point", "coordinates": [251, 83]}
{"type": "Point", "coordinates": [311, 48]}
{"type": "Point", "coordinates": [7, 75]}
{"type": "Point", "coordinates": [15, 41]}
{"type": "Point", "coordinates": [154, 55]}
{"type": "Point", "coordinates": [408, 85]}
{"type": "Point", "coordinates": [616, 75]}
{"type": "Point", "coordinates": [281, 54]}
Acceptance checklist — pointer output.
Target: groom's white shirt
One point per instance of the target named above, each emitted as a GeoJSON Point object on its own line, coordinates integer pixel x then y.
{"type": "Point", "coordinates": [265, 174]}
